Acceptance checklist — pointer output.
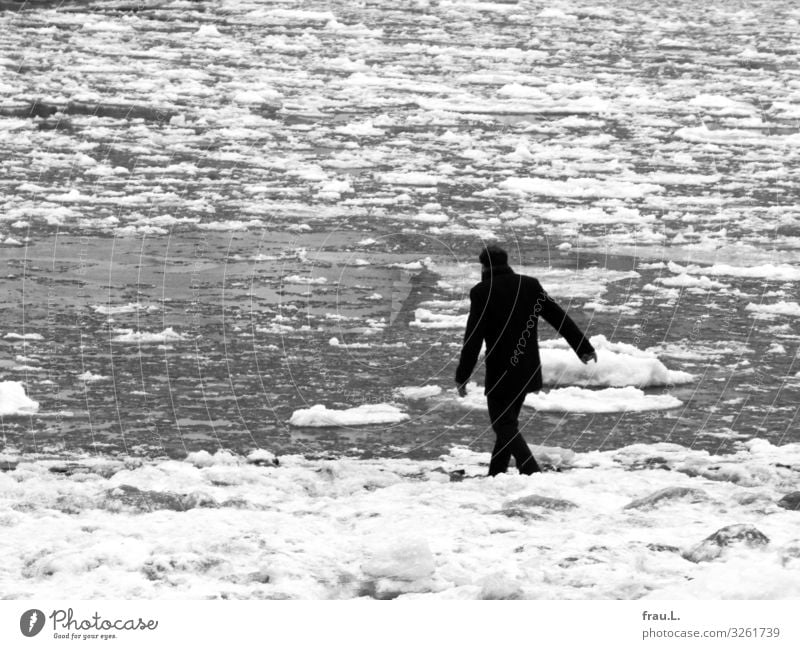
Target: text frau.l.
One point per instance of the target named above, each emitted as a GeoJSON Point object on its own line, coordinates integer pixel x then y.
{"type": "Point", "coordinates": [66, 620]}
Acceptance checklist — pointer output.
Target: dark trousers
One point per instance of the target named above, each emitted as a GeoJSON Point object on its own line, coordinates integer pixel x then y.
{"type": "Point", "coordinates": [504, 414]}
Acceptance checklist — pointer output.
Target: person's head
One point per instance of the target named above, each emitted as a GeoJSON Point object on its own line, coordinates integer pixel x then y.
{"type": "Point", "coordinates": [493, 255]}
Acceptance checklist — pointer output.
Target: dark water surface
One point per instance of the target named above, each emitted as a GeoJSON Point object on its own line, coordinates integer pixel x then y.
{"type": "Point", "coordinates": [196, 176]}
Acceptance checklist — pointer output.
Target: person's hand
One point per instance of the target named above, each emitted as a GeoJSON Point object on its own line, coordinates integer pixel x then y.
{"type": "Point", "coordinates": [587, 357]}
{"type": "Point", "coordinates": [462, 389]}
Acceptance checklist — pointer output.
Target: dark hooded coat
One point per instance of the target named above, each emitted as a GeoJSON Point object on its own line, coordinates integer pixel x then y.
{"type": "Point", "coordinates": [504, 312]}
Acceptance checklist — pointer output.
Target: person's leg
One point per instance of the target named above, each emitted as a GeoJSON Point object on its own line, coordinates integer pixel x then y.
{"type": "Point", "coordinates": [526, 463]}
{"type": "Point", "coordinates": [501, 414]}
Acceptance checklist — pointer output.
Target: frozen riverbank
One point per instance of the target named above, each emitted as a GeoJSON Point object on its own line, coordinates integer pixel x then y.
{"type": "Point", "coordinates": [629, 523]}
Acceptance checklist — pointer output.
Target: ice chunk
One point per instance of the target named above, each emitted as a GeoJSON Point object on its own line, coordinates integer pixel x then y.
{"type": "Point", "coordinates": [618, 365]}
{"type": "Point", "coordinates": [14, 401]}
{"type": "Point", "coordinates": [418, 392]}
{"type": "Point", "coordinates": [574, 399]}
{"type": "Point", "coordinates": [427, 319]}
{"type": "Point", "coordinates": [144, 337]}
{"type": "Point", "coordinates": [16, 336]}
{"type": "Point", "coordinates": [777, 308]}
{"type": "Point", "coordinates": [372, 413]}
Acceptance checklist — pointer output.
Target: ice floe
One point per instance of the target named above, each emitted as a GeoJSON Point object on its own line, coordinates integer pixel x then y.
{"type": "Point", "coordinates": [146, 337]}
{"type": "Point", "coordinates": [14, 401]}
{"type": "Point", "coordinates": [776, 308]}
{"type": "Point", "coordinates": [580, 400]}
{"type": "Point", "coordinates": [371, 413]}
{"type": "Point", "coordinates": [618, 365]}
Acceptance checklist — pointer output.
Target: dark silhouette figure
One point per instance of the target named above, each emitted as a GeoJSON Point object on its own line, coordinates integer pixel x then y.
{"type": "Point", "coordinates": [504, 312]}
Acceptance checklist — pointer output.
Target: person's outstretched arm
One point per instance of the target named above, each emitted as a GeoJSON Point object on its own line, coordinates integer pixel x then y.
{"type": "Point", "coordinates": [557, 318]}
{"type": "Point", "coordinates": [473, 339]}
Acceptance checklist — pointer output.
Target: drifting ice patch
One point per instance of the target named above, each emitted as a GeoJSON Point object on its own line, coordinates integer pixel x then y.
{"type": "Point", "coordinates": [418, 392]}
{"type": "Point", "coordinates": [416, 178]}
{"type": "Point", "coordinates": [207, 31]}
{"type": "Point", "coordinates": [89, 377]}
{"type": "Point", "coordinates": [141, 337]}
{"type": "Point", "coordinates": [427, 319]}
{"type": "Point", "coordinates": [16, 336]}
{"type": "Point", "coordinates": [372, 413]}
{"type": "Point", "coordinates": [14, 401]}
{"type": "Point", "coordinates": [618, 365]}
{"type": "Point", "coordinates": [130, 307]}
{"type": "Point", "coordinates": [574, 399]}
{"type": "Point", "coordinates": [773, 272]}
{"type": "Point", "coordinates": [579, 188]}
{"type": "Point", "coordinates": [628, 399]}
{"type": "Point", "coordinates": [689, 281]}
{"type": "Point", "coordinates": [778, 308]}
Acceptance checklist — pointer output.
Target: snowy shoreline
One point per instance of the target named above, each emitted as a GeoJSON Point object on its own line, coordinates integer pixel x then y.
{"type": "Point", "coordinates": [646, 520]}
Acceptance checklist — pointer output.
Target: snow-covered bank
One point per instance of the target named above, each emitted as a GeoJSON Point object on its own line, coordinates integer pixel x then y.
{"type": "Point", "coordinates": [657, 520]}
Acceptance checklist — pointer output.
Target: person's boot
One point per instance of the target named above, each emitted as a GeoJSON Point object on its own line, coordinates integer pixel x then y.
{"type": "Point", "coordinates": [530, 466]}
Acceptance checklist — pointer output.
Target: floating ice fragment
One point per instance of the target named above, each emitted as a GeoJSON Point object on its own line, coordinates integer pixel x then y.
{"type": "Point", "coordinates": [579, 187]}
{"type": "Point", "coordinates": [130, 336]}
{"type": "Point", "coordinates": [208, 31]}
{"type": "Point", "coordinates": [372, 413]}
{"type": "Point", "coordinates": [575, 399]}
{"type": "Point", "coordinates": [618, 365]}
{"type": "Point", "coordinates": [16, 336]}
{"type": "Point", "coordinates": [90, 377]}
{"type": "Point", "coordinates": [418, 392]}
{"type": "Point", "coordinates": [777, 308]}
{"type": "Point", "coordinates": [14, 401]}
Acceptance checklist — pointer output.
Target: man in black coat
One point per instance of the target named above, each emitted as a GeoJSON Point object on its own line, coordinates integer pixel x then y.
{"type": "Point", "coordinates": [504, 311]}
